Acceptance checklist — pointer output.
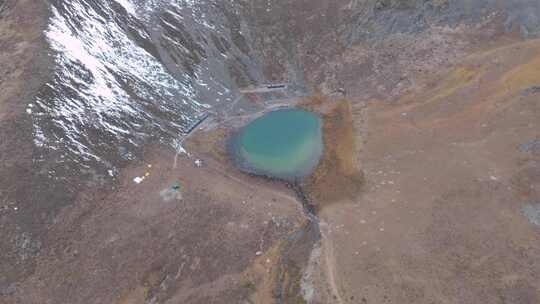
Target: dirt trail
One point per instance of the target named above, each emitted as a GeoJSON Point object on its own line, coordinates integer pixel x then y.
{"type": "Point", "coordinates": [330, 268]}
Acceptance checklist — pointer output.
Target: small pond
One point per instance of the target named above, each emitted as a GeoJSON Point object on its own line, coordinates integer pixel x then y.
{"type": "Point", "coordinates": [286, 144]}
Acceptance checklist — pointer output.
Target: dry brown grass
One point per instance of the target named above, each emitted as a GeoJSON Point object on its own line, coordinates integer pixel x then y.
{"type": "Point", "coordinates": [456, 80]}
{"type": "Point", "coordinates": [338, 176]}
{"type": "Point", "coordinates": [262, 276]}
{"type": "Point", "coordinates": [212, 143]}
{"type": "Point", "coordinates": [520, 77]}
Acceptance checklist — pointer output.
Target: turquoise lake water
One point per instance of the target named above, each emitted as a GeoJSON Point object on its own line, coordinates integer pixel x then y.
{"type": "Point", "coordinates": [285, 144]}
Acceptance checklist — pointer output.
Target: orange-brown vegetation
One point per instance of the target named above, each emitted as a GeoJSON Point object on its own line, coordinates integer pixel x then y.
{"type": "Point", "coordinates": [338, 175]}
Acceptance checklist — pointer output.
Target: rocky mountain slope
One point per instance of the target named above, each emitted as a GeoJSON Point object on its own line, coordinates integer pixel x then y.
{"type": "Point", "coordinates": [94, 91]}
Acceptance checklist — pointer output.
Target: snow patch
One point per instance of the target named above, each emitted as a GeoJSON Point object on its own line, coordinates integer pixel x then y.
{"type": "Point", "coordinates": [130, 8]}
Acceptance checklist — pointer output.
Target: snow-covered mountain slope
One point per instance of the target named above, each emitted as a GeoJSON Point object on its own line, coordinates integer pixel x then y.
{"type": "Point", "coordinates": [128, 72]}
